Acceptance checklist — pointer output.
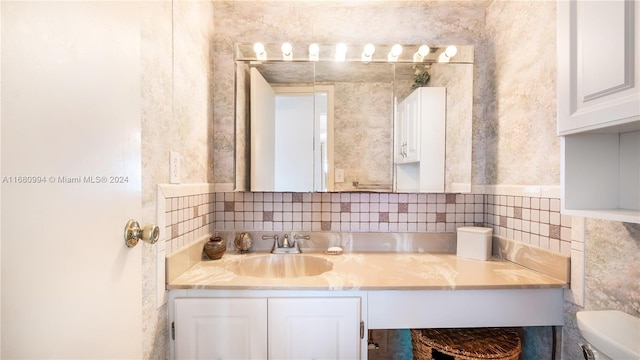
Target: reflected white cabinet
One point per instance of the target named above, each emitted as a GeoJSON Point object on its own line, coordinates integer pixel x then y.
{"type": "Point", "coordinates": [314, 328]}
{"type": "Point", "coordinates": [599, 108]}
{"type": "Point", "coordinates": [420, 141]}
{"type": "Point", "coordinates": [408, 130]}
{"type": "Point", "coordinates": [220, 328]}
{"type": "Point", "coordinates": [267, 328]}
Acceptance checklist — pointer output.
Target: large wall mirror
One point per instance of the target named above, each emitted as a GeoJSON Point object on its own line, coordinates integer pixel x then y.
{"type": "Point", "coordinates": [330, 122]}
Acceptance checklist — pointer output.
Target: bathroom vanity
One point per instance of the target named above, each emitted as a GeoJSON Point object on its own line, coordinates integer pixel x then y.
{"type": "Point", "coordinates": [214, 312]}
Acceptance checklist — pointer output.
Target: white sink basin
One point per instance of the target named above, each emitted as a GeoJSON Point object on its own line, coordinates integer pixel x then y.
{"type": "Point", "coordinates": [614, 333]}
{"type": "Point", "coordinates": [281, 266]}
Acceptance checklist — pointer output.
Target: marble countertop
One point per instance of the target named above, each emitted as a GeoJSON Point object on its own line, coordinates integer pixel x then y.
{"type": "Point", "coordinates": [370, 271]}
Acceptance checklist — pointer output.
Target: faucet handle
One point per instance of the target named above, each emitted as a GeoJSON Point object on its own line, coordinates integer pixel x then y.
{"type": "Point", "coordinates": [275, 240]}
{"type": "Point", "coordinates": [303, 237]}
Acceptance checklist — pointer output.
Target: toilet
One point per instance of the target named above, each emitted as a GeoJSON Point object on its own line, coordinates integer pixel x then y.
{"type": "Point", "coordinates": [613, 334]}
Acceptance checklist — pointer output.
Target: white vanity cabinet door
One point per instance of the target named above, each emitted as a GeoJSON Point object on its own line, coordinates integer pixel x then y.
{"type": "Point", "coordinates": [220, 328]}
{"type": "Point", "coordinates": [314, 328]}
{"type": "Point", "coordinates": [598, 64]}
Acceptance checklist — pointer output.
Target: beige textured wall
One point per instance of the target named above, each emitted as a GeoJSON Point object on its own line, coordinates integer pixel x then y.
{"type": "Point", "coordinates": [363, 133]}
{"type": "Point", "coordinates": [157, 115]}
{"type": "Point", "coordinates": [518, 143]}
{"type": "Point", "coordinates": [177, 113]}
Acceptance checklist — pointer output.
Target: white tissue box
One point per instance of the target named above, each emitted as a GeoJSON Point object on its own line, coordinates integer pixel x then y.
{"type": "Point", "coordinates": [474, 242]}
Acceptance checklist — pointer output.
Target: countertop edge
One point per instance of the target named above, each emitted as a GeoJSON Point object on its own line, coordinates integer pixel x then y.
{"type": "Point", "coordinates": [188, 280]}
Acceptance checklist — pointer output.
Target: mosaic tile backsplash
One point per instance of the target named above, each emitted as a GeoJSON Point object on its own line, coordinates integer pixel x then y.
{"type": "Point", "coordinates": [188, 218]}
{"type": "Point", "coordinates": [347, 211]}
{"type": "Point", "coordinates": [533, 220]}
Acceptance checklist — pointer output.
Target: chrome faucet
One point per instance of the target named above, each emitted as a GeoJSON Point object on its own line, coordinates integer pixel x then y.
{"type": "Point", "coordinates": [286, 247]}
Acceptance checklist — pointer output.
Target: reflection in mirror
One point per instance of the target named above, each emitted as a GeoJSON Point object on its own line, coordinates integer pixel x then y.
{"type": "Point", "coordinates": [273, 146]}
{"type": "Point", "coordinates": [283, 136]}
{"type": "Point", "coordinates": [343, 138]}
{"type": "Point", "coordinates": [363, 124]}
{"type": "Point", "coordinates": [457, 79]}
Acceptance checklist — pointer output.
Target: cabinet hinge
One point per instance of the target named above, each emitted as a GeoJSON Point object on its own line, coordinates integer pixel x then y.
{"type": "Point", "coordinates": [173, 330]}
{"type": "Point", "coordinates": [361, 329]}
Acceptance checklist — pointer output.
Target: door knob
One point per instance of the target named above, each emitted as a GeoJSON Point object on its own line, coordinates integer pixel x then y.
{"type": "Point", "coordinates": [133, 233]}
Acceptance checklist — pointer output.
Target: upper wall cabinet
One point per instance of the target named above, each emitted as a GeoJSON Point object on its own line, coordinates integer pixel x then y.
{"type": "Point", "coordinates": [599, 108]}
{"type": "Point", "coordinates": [598, 65]}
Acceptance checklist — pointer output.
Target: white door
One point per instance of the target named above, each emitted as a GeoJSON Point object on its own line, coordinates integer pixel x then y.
{"type": "Point", "coordinates": [220, 329]}
{"type": "Point", "coordinates": [294, 142]}
{"type": "Point", "coordinates": [263, 133]}
{"type": "Point", "coordinates": [70, 168]}
{"type": "Point", "coordinates": [314, 328]}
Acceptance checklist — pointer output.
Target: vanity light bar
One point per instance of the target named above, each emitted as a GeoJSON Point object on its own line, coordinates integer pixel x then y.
{"type": "Point", "coordinates": [341, 52]}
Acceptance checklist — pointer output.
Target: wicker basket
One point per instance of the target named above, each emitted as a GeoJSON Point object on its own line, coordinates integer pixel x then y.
{"type": "Point", "coordinates": [466, 344]}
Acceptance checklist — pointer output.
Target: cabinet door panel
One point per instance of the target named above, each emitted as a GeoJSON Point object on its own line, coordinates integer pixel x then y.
{"type": "Point", "coordinates": [314, 328]}
{"type": "Point", "coordinates": [408, 130]}
{"type": "Point", "coordinates": [220, 328]}
{"type": "Point", "coordinates": [400, 133]}
{"type": "Point", "coordinates": [412, 131]}
{"type": "Point", "coordinates": [598, 64]}
{"type": "Point", "coordinates": [601, 42]}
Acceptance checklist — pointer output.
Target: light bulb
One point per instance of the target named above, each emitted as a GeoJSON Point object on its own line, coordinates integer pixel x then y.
{"type": "Point", "coordinates": [367, 53]}
{"type": "Point", "coordinates": [451, 51]}
{"type": "Point", "coordinates": [423, 50]}
{"type": "Point", "coordinates": [258, 48]}
{"type": "Point", "coordinates": [419, 55]}
{"type": "Point", "coordinates": [369, 49]}
{"type": "Point", "coordinates": [396, 50]}
{"type": "Point", "coordinates": [314, 52]}
{"type": "Point", "coordinates": [286, 48]}
{"type": "Point", "coordinates": [287, 51]}
{"type": "Point", "coordinates": [341, 52]}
